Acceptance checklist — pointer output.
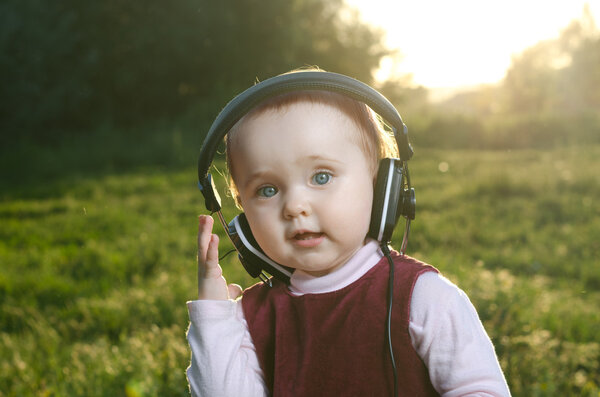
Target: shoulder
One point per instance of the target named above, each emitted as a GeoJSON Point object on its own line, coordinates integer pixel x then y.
{"type": "Point", "coordinates": [433, 286]}
{"type": "Point", "coordinates": [409, 264]}
{"type": "Point", "coordinates": [407, 271]}
{"type": "Point", "coordinates": [433, 297]}
{"type": "Point", "coordinates": [437, 300]}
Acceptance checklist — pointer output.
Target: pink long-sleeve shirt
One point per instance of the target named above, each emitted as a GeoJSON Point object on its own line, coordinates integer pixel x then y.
{"type": "Point", "coordinates": [444, 327]}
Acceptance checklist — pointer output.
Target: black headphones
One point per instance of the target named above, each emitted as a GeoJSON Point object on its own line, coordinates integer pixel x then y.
{"type": "Point", "coordinates": [393, 194]}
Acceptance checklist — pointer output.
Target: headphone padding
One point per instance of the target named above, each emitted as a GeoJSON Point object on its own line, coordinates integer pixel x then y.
{"type": "Point", "coordinates": [253, 258]}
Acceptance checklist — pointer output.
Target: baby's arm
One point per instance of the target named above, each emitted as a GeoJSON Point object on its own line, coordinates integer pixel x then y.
{"type": "Point", "coordinates": [448, 335]}
{"type": "Point", "coordinates": [224, 361]}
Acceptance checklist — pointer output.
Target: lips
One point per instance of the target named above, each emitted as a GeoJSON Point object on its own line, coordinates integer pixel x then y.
{"type": "Point", "coordinates": [307, 239]}
{"type": "Point", "coordinates": [307, 235]}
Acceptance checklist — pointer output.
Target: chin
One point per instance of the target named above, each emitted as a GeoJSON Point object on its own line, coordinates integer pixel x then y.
{"type": "Point", "coordinates": [317, 272]}
{"type": "Point", "coordinates": [321, 269]}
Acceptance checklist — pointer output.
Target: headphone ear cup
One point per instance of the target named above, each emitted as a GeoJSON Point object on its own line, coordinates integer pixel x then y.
{"type": "Point", "coordinates": [252, 257]}
{"type": "Point", "coordinates": [409, 203]}
{"type": "Point", "coordinates": [386, 197]}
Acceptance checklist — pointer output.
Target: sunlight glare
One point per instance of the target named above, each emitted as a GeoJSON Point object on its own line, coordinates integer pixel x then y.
{"type": "Point", "coordinates": [464, 42]}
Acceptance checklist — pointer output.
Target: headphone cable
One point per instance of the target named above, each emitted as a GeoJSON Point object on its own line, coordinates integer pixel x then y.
{"type": "Point", "coordinates": [388, 322]}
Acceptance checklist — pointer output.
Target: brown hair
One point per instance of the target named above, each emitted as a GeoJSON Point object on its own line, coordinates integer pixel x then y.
{"type": "Point", "coordinates": [375, 141]}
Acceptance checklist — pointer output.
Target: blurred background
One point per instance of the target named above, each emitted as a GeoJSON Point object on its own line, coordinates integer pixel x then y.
{"type": "Point", "coordinates": [104, 106]}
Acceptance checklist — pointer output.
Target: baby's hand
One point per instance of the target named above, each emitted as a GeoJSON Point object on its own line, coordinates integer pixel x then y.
{"type": "Point", "coordinates": [211, 283]}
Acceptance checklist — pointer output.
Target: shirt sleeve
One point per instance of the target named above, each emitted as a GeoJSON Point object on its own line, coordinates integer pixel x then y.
{"type": "Point", "coordinates": [450, 339]}
{"type": "Point", "coordinates": [224, 360]}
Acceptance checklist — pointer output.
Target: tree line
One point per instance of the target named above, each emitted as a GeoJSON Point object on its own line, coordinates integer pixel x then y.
{"type": "Point", "coordinates": [72, 65]}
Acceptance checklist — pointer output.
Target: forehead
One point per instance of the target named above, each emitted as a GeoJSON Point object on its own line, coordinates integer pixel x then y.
{"type": "Point", "coordinates": [295, 138]}
{"type": "Point", "coordinates": [312, 123]}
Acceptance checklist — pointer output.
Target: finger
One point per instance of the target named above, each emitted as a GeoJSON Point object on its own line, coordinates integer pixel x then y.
{"type": "Point", "coordinates": [205, 224]}
{"type": "Point", "coordinates": [234, 291]}
{"type": "Point", "coordinates": [213, 270]}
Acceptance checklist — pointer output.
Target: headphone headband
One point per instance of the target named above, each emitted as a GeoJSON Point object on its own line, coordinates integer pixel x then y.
{"type": "Point", "coordinates": [298, 81]}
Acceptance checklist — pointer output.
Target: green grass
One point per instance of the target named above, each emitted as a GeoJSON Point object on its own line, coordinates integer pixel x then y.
{"type": "Point", "coordinates": [96, 268]}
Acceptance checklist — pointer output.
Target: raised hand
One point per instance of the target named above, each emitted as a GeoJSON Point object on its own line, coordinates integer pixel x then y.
{"type": "Point", "coordinates": [211, 283]}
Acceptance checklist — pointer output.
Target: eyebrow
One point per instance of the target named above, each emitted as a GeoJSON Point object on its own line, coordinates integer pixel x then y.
{"type": "Point", "coordinates": [319, 157]}
{"type": "Point", "coordinates": [253, 176]}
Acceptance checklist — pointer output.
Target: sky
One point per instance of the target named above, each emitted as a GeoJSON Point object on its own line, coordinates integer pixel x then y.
{"type": "Point", "coordinates": [457, 43]}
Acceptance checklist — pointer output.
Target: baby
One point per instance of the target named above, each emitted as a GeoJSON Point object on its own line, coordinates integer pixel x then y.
{"type": "Point", "coordinates": [303, 167]}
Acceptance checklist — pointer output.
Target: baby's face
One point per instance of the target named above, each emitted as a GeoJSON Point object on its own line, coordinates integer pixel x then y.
{"type": "Point", "coordinates": [305, 185]}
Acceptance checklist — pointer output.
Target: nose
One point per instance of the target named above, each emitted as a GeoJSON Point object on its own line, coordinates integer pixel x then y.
{"type": "Point", "coordinates": [296, 204]}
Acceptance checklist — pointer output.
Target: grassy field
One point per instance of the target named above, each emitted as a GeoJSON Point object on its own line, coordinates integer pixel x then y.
{"type": "Point", "coordinates": [96, 269]}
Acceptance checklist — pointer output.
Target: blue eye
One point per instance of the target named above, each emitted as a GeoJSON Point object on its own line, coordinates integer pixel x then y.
{"type": "Point", "coordinates": [267, 191]}
{"type": "Point", "coordinates": [321, 178]}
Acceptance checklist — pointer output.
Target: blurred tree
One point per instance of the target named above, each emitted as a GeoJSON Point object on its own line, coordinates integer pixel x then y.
{"type": "Point", "coordinates": [530, 82]}
{"type": "Point", "coordinates": [561, 74]}
{"type": "Point", "coordinates": [550, 96]}
{"type": "Point", "coordinates": [70, 64]}
{"type": "Point", "coordinates": [402, 92]}
{"type": "Point", "coordinates": [579, 82]}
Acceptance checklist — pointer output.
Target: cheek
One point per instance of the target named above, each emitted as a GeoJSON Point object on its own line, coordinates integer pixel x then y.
{"type": "Point", "coordinates": [264, 228]}
{"type": "Point", "coordinates": [363, 208]}
{"type": "Point", "coordinates": [353, 210]}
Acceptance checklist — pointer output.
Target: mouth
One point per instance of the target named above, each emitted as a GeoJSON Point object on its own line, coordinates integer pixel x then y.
{"type": "Point", "coordinates": [307, 239]}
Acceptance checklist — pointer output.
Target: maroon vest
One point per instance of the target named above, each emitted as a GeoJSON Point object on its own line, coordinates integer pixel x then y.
{"type": "Point", "coordinates": [334, 344]}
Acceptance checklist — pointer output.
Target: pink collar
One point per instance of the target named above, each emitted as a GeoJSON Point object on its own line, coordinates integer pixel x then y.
{"type": "Point", "coordinates": [365, 258]}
